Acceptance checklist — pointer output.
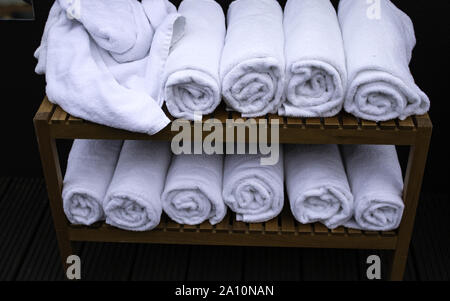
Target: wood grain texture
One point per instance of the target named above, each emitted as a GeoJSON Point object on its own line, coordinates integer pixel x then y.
{"type": "Point", "coordinates": [341, 129]}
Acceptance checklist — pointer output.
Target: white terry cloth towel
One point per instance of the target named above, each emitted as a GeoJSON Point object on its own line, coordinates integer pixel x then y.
{"type": "Point", "coordinates": [118, 26]}
{"type": "Point", "coordinates": [317, 185]}
{"type": "Point", "coordinates": [316, 73]}
{"type": "Point", "coordinates": [379, 40]}
{"type": "Point", "coordinates": [90, 169]}
{"type": "Point", "coordinates": [375, 178]}
{"type": "Point", "coordinates": [133, 200]}
{"type": "Point", "coordinates": [191, 80]}
{"type": "Point", "coordinates": [193, 190]}
{"type": "Point", "coordinates": [253, 191]}
{"type": "Point", "coordinates": [88, 82]}
{"type": "Point", "coordinates": [252, 66]}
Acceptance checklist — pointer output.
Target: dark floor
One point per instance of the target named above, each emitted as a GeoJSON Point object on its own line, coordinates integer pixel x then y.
{"type": "Point", "coordinates": [28, 250]}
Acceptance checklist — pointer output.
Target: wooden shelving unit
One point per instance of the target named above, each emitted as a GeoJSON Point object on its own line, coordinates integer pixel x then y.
{"type": "Point", "coordinates": [52, 123]}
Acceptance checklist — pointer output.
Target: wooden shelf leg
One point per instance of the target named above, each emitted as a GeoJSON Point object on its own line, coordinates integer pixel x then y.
{"type": "Point", "coordinates": [413, 184]}
{"type": "Point", "coordinates": [53, 179]}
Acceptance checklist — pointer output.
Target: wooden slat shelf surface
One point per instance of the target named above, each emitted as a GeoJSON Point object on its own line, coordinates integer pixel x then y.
{"type": "Point", "coordinates": [341, 129]}
{"type": "Point", "coordinates": [52, 123]}
{"type": "Point", "coordinates": [239, 234]}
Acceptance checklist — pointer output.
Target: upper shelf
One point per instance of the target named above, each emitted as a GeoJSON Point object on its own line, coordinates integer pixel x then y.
{"type": "Point", "coordinates": [342, 129]}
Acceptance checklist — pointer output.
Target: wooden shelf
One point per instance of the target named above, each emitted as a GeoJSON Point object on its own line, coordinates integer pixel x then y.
{"type": "Point", "coordinates": [283, 231]}
{"type": "Point", "coordinates": [52, 123]}
{"type": "Point", "coordinates": [342, 129]}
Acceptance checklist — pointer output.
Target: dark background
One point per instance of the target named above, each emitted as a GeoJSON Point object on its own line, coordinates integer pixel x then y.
{"type": "Point", "coordinates": [22, 90]}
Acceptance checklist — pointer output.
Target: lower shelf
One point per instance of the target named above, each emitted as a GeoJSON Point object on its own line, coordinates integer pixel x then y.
{"type": "Point", "coordinates": [283, 231]}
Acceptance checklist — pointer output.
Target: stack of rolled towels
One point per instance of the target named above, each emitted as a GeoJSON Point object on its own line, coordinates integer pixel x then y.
{"type": "Point", "coordinates": [129, 184]}
{"type": "Point", "coordinates": [312, 62]}
{"type": "Point", "coordinates": [116, 62]}
{"type": "Point", "coordinates": [357, 186]}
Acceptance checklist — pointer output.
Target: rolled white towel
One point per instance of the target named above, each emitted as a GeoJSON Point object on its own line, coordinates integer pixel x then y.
{"type": "Point", "coordinates": [375, 178]}
{"type": "Point", "coordinates": [90, 169]}
{"type": "Point", "coordinates": [252, 65]}
{"type": "Point", "coordinates": [133, 200]}
{"type": "Point", "coordinates": [193, 190]}
{"type": "Point", "coordinates": [317, 185]}
{"type": "Point", "coordinates": [253, 191]}
{"type": "Point", "coordinates": [378, 43]}
{"type": "Point", "coordinates": [191, 78]}
{"type": "Point", "coordinates": [315, 61]}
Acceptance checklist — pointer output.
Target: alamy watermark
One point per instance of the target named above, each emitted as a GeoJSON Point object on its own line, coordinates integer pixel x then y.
{"type": "Point", "coordinates": [210, 137]}
{"type": "Point", "coordinates": [73, 271]}
{"type": "Point", "coordinates": [374, 270]}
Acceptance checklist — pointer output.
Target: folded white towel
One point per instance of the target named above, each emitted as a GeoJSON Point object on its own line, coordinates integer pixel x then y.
{"type": "Point", "coordinates": [317, 185]}
{"type": "Point", "coordinates": [378, 45]}
{"type": "Point", "coordinates": [90, 169]}
{"type": "Point", "coordinates": [193, 190]}
{"type": "Point", "coordinates": [191, 80]}
{"type": "Point", "coordinates": [252, 65]}
{"type": "Point", "coordinates": [254, 191]}
{"type": "Point", "coordinates": [88, 82]}
{"type": "Point", "coordinates": [133, 200]}
{"type": "Point", "coordinates": [375, 178]}
{"type": "Point", "coordinates": [315, 61]}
